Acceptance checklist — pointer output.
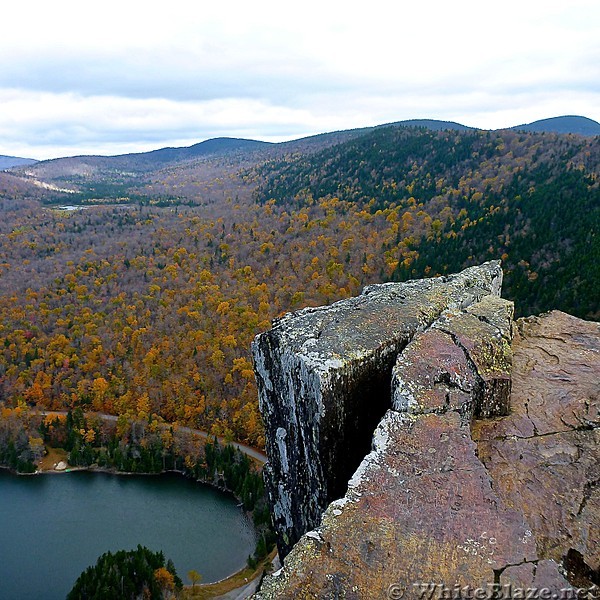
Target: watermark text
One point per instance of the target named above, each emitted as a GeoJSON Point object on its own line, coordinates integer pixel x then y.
{"type": "Point", "coordinates": [491, 591]}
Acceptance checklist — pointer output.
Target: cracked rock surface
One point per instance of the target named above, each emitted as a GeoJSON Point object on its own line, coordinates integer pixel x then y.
{"type": "Point", "coordinates": [323, 377]}
{"type": "Point", "coordinates": [508, 501]}
{"type": "Point", "coordinates": [545, 456]}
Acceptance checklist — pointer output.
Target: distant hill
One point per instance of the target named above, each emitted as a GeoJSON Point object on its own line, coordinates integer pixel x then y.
{"type": "Point", "coordinates": [212, 147]}
{"type": "Point", "coordinates": [566, 124]}
{"type": "Point", "coordinates": [321, 141]}
{"type": "Point", "coordinates": [482, 194]}
{"type": "Point", "coordinates": [131, 165]}
{"type": "Point", "coordinates": [324, 140]}
{"type": "Point", "coordinates": [7, 162]}
{"type": "Point", "coordinates": [143, 175]}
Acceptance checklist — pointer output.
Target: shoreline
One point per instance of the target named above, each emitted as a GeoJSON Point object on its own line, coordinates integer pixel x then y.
{"type": "Point", "coordinates": [239, 579]}
{"type": "Point", "coordinates": [254, 453]}
{"type": "Point", "coordinates": [114, 472]}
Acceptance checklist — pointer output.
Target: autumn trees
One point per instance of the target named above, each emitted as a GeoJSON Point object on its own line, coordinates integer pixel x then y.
{"type": "Point", "coordinates": [147, 312]}
{"type": "Point", "coordinates": [154, 314]}
{"type": "Point", "coordinates": [21, 444]}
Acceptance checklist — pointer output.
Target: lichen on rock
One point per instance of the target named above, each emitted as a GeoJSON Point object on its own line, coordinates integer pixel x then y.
{"type": "Point", "coordinates": [323, 377]}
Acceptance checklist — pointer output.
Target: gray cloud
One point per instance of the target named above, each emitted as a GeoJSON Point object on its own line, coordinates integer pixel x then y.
{"type": "Point", "coordinates": [135, 80]}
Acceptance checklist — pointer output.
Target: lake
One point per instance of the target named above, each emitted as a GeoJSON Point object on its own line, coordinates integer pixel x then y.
{"type": "Point", "coordinates": [53, 526]}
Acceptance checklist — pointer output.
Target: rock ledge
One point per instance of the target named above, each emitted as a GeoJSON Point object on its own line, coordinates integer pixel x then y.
{"type": "Point", "coordinates": [484, 462]}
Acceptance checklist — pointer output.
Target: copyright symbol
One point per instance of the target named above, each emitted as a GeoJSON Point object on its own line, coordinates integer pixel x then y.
{"type": "Point", "coordinates": [395, 591]}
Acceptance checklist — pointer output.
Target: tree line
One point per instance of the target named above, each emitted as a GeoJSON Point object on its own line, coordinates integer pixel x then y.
{"type": "Point", "coordinates": [150, 446]}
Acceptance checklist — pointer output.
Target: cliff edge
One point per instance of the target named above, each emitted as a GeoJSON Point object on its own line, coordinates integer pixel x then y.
{"type": "Point", "coordinates": [483, 467]}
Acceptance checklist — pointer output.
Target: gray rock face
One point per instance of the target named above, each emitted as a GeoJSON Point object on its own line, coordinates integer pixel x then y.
{"type": "Point", "coordinates": [324, 377]}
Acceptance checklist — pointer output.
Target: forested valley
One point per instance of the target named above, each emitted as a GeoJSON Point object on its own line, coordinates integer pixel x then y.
{"type": "Point", "coordinates": [143, 302]}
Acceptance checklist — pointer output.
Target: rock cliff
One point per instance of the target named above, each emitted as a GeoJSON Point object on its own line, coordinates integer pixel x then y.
{"type": "Point", "coordinates": [324, 383]}
{"type": "Point", "coordinates": [483, 467]}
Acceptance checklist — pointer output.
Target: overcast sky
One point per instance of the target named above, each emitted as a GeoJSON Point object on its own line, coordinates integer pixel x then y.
{"type": "Point", "coordinates": [112, 77]}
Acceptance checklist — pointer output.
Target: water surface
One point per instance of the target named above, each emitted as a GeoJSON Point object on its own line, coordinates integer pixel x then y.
{"type": "Point", "coordinates": [53, 526]}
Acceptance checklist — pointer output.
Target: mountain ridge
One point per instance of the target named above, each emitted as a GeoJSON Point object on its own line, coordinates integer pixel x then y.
{"type": "Point", "coordinates": [565, 124]}
{"type": "Point", "coordinates": [219, 145]}
{"type": "Point", "coordinates": [8, 162]}
{"type": "Point", "coordinates": [142, 162]}
{"type": "Point", "coordinates": [433, 124]}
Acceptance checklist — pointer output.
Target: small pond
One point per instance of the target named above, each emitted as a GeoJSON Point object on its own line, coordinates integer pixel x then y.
{"type": "Point", "coordinates": [53, 526]}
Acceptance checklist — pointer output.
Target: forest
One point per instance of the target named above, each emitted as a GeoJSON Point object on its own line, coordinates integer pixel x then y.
{"type": "Point", "coordinates": [144, 306]}
{"type": "Point", "coordinates": [138, 573]}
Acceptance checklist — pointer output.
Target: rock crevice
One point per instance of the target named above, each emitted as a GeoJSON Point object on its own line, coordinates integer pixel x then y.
{"type": "Point", "coordinates": [323, 377]}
